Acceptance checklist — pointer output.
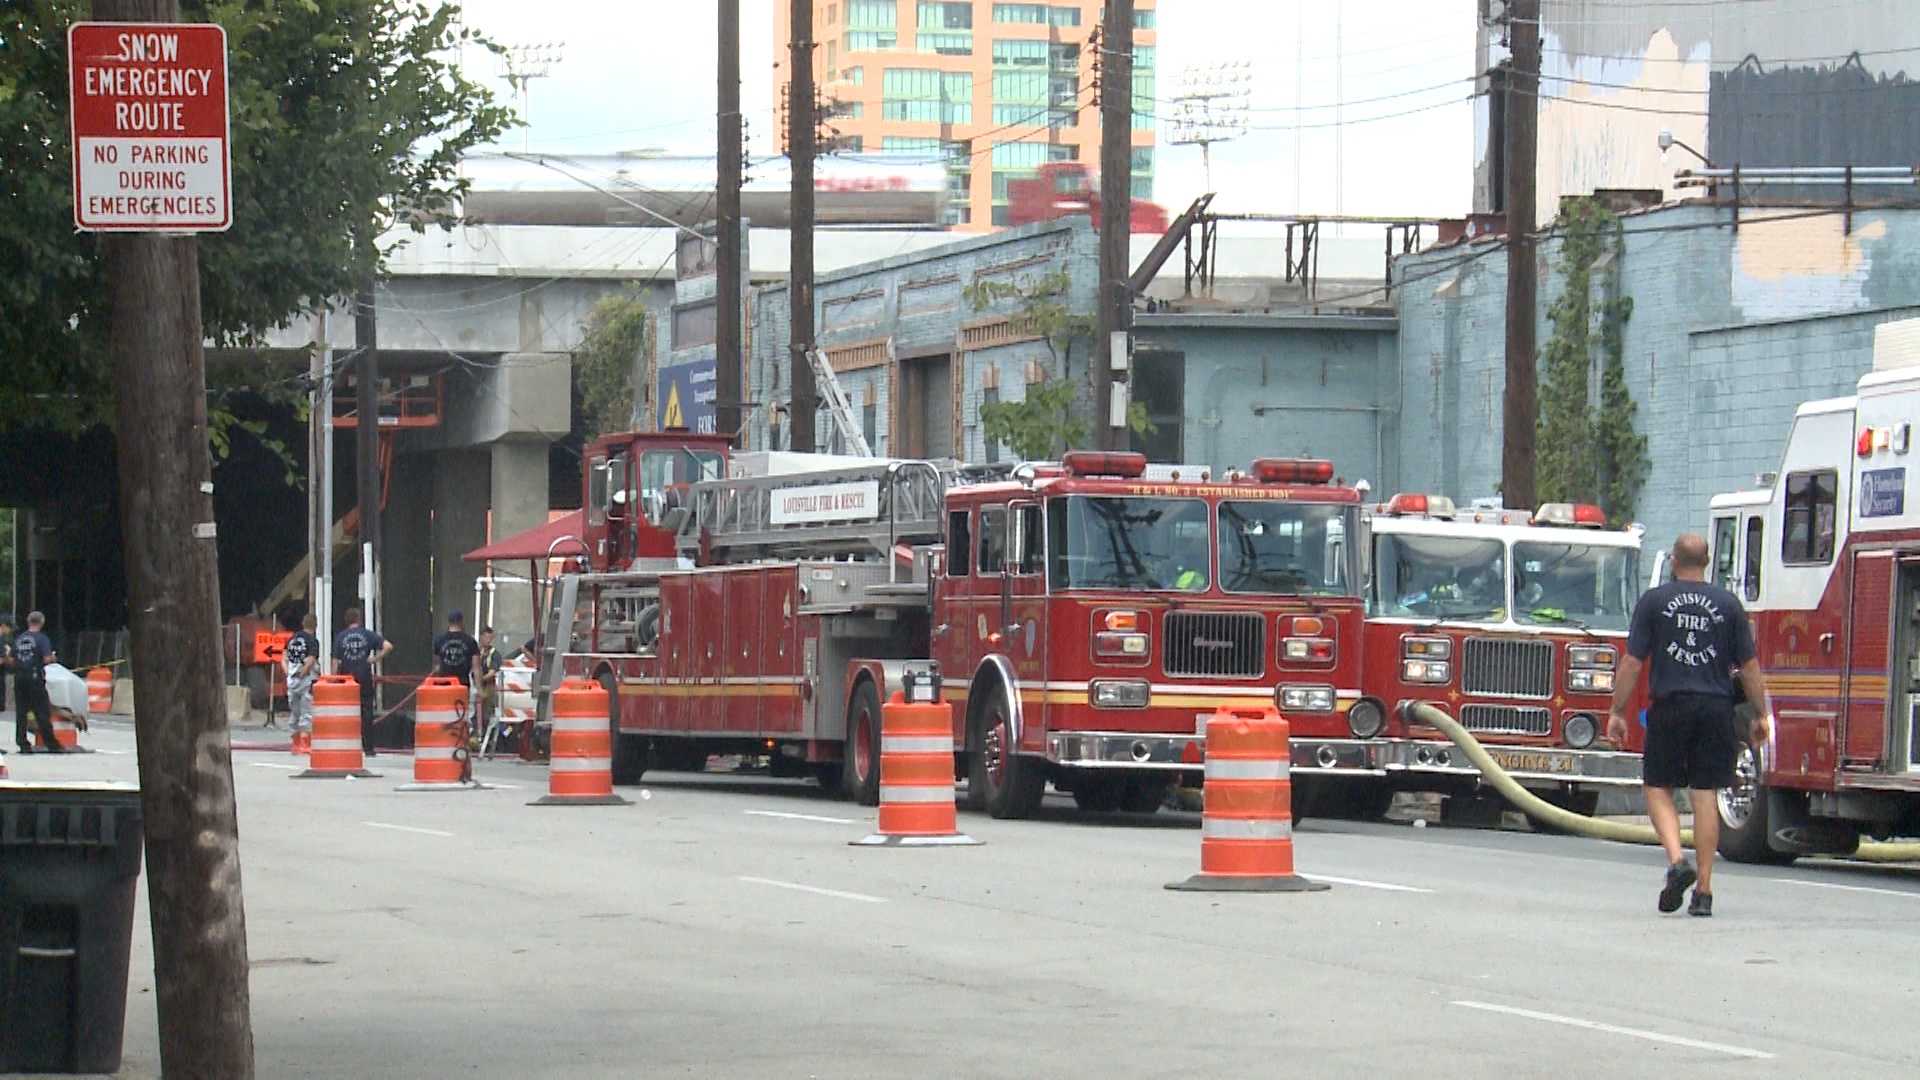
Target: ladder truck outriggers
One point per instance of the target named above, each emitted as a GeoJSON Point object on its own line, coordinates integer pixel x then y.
{"type": "Point", "coordinates": [1825, 555]}
{"type": "Point", "coordinates": [1509, 621]}
{"type": "Point", "coordinates": [1086, 617]}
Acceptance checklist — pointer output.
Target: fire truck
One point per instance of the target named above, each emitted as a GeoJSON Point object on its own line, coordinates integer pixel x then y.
{"type": "Point", "coordinates": [1066, 188]}
{"type": "Point", "coordinates": [1512, 623]}
{"type": "Point", "coordinates": [1825, 555]}
{"type": "Point", "coordinates": [1086, 617]}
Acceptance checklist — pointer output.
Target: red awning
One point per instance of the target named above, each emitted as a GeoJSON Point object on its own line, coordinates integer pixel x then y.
{"type": "Point", "coordinates": [534, 543]}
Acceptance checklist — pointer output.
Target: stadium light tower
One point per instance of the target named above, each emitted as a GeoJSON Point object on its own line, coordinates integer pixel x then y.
{"type": "Point", "coordinates": [1212, 107]}
{"type": "Point", "coordinates": [521, 64]}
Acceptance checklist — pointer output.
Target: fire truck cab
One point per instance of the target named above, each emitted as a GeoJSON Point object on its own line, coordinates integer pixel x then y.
{"type": "Point", "coordinates": [1508, 621]}
{"type": "Point", "coordinates": [1826, 558]}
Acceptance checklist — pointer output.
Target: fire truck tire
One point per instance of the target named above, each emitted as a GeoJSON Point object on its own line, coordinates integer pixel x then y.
{"type": "Point", "coordinates": [1008, 784]}
{"type": "Point", "coordinates": [1097, 793]}
{"type": "Point", "coordinates": [1367, 800]}
{"type": "Point", "coordinates": [1743, 809]}
{"type": "Point", "coordinates": [1145, 793]}
{"type": "Point", "coordinates": [629, 751]}
{"type": "Point", "coordinates": [860, 773]}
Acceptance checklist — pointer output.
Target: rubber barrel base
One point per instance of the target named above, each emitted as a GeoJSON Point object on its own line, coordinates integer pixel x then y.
{"type": "Point", "coordinates": [951, 840]}
{"type": "Point", "coordinates": [1237, 883]}
{"type": "Point", "coordinates": [336, 774]}
{"type": "Point", "coordinates": [581, 800]}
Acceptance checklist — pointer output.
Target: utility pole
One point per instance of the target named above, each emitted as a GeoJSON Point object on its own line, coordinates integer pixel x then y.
{"type": "Point", "coordinates": [1113, 314]}
{"type": "Point", "coordinates": [1522, 405]}
{"type": "Point", "coordinates": [726, 338]}
{"type": "Point", "coordinates": [802, 116]}
{"type": "Point", "coordinates": [173, 599]}
{"type": "Point", "coordinates": [366, 438]}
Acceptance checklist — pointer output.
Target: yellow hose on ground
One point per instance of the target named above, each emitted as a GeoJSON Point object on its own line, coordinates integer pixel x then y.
{"type": "Point", "coordinates": [1579, 824]}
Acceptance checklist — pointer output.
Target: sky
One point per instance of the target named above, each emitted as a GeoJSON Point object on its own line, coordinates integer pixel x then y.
{"type": "Point", "coordinates": [1367, 92]}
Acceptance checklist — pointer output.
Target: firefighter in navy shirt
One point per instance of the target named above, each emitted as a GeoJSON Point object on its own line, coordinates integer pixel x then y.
{"type": "Point", "coordinates": [302, 660]}
{"type": "Point", "coordinates": [1694, 639]}
{"type": "Point", "coordinates": [355, 650]}
{"type": "Point", "coordinates": [32, 652]}
{"type": "Point", "coordinates": [455, 653]}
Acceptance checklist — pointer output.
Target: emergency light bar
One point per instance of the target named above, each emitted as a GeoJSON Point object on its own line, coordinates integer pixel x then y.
{"type": "Point", "coordinates": [1293, 470]}
{"type": "Point", "coordinates": [1104, 463]}
{"type": "Point", "coordinates": [1431, 505]}
{"type": "Point", "coordinates": [1581, 515]}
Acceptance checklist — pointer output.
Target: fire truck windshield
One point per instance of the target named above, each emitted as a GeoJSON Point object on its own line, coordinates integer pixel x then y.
{"type": "Point", "coordinates": [1281, 547]}
{"type": "Point", "coordinates": [1585, 585]}
{"type": "Point", "coordinates": [1099, 542]}
{"type": "Point", "coordinates": [664, 471]}
{"type": "Point", "coordinates": [1444, 577]}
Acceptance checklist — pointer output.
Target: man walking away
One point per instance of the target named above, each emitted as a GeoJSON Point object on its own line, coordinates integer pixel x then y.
{"type": "Point", "coordinates": [455, 652]}
{"type": "Point", "coordinates": [355, 650]}
{"type": "Point", "coordinates": [302, 659]}
{"type": "Point", "coordinates": [1692, 636]}
{"type": "Point", "coordinates": [32, 652]}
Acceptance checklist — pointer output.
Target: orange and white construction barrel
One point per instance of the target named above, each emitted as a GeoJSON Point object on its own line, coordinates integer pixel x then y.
{"type": "Point", "coordinates": [916, 777]}
{"type": "Point", "coordinates": [441, 760]}
{"type": "Point", "coordinates": [334, 751]}
{"type": "Point", "coordinates": [1246, 828]}
{"type": "Point", "coordinates": [99, 691]}
{"type": "Point", "coordinates": [580, 768]}
{"type": "Point", "coordinates": [66, 732]}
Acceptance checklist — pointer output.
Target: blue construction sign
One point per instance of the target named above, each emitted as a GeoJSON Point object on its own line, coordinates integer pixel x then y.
{"type": "Point", "coordinates": [686, 396]}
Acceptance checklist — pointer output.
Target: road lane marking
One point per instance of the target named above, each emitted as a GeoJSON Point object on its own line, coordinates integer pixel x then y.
{"type": "Point", "coordinates": [1360, 884]}
{"type": "Point", "coordinates": [835, 893]}
{"type": "Point", "coordinates": [404, 828]}
{"type": "Point", "coordinates": [1614, 1029]}
{"type": "Point", "coordinates": [275, 765]}
{"type": "Point", "coordinates": [801, 817]}
{"type": "Point", "coordinates": [1847, 888]}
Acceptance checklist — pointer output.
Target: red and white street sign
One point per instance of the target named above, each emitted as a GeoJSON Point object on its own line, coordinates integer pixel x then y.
{"type": "Point", "coordinates": [150, 136]}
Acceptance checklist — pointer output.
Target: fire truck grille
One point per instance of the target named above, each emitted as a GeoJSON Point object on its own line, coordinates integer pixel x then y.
{"type": "Point", "coordinates": [1228, 645]}
{"type": "Point", "coordinates": [1506, 720]}
{"type": "Point", "coordinates": [1506, 667]}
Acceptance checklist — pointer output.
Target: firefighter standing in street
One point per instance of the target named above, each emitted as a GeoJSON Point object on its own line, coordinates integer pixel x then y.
{"type": "Point", "coordinates": [302, 658]}
{"type": "Point", "coordinates": [1694, 637]}
{"type": "Point", "coordinates": [32, 652]}
{"type": "Point", "coordinates": [355, 650]}
{"type": "Point", "coordinates": [455, 653]}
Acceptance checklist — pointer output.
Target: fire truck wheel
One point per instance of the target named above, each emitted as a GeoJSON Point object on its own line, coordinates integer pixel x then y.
{"type": "Point", "coordinates": [1743, 815]}
{"type": "Point", "coordinates": [629, 751]}
{"type": "Point", "coordinates": [1009, 785]}
{"type": "Point", "coordinates": [1146, 793]}
{"type": "Point", "coordinates": [1098, 793]}
{"type": "Point", "coordinates": [861, 771]}
{"type": "Point", "coordinates": [1367, 800]}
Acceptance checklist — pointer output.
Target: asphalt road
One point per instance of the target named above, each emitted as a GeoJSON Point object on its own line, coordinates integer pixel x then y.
{"type": "Point", "coordinates": [722, 926]}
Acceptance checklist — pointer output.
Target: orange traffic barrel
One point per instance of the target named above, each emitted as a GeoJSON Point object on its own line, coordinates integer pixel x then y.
{"type": "Point", "coordinates": [334, 751]}
{"type": "Point", "coordinates": [1246, 828]}
{"type": "Point", "coordinates": [99, 691]}
{"type": "Point", "coordinates": [916, 777]}
{"type": "Point", "coordinates": [441, 760]}
{"type": "Point", "coordinates": [66, 734]}
{"type": "Point", "coordinates": [580, 769]}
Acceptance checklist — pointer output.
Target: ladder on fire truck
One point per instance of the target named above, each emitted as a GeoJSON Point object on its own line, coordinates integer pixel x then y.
{"type": "Point", "coordinates": [838, 407]}
{"type": "Point", "coordinates": [864, 513]}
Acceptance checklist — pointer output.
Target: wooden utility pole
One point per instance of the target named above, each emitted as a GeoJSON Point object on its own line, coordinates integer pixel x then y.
{"type": "Point", "coordinates": [1113, 312]}
{"type": "Point", "coordinates": [1522, 404]}
{"type": "Point", "coordinates": [366, 434]}
{"type": "Point", "coordinates": [726, 337]}
{"type": "Point", "coordinates": [173, 597]}
{"type": "Point", "coordinates": [801, 121]}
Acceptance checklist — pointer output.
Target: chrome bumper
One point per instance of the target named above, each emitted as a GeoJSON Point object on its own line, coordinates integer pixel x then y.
{"type": "Point", "coordinates": [1123, 750]}
{"type": "Point", "coordinates": [1422, 757]}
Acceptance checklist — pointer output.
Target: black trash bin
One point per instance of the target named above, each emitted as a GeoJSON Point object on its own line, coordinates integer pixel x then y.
{"type": "Point", "coordinates": [69, 862]}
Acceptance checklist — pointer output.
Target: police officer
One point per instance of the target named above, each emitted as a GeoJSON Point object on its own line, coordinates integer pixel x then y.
{"type": "Point", "coordinates": [355, 650]}
{"type": "Point", "coordinates": [455, 652]}
{"type": "Point", "coordinates": [302, 660]}
{"type": "Point", "coordinates": [32, 652]}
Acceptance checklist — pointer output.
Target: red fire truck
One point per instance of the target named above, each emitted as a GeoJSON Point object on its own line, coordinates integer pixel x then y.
{"type": "Point", "coordinates": [1826, 557]}
{"type": "Point", "coordinates": [1508, 621]}
{"type": "Point", "coordinates": [1086, 619]}
{"type": "Point", "coordinates": [1064, 188]}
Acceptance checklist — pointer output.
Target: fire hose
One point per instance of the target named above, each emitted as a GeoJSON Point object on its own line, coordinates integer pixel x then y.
{"type": "Point", "coordinates": [1579, 824]}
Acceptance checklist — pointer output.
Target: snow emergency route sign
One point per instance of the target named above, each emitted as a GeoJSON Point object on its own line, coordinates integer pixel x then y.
{"type": "Point", "coordinates": [150, 135]}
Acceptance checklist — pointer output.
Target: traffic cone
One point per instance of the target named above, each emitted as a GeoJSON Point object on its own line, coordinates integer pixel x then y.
{"type": "Point", "coordinates": [916, 778]}
{"type": "Point", "coordinates": [335, 750]}
{"type": "Point", "coordinates": [1246, 828]}
{"type": "Point", "coordinates": [580, 769]}
{"type": "Point", "coordinates": [99, 691]}
{"type": "Point", "coordinates": [441, 758]}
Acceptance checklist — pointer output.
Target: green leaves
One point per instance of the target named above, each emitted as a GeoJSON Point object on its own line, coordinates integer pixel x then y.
{"type": "Point", "coordinates": [618, 333]}
{"type": "Point", "coordinates": [1588, 454]}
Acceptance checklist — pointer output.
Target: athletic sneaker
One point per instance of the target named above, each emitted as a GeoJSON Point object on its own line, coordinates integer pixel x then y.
{"type": "Point", "coordinates": [1680, 876]}
{"type": "Point", "coordinates": [1702, 906]}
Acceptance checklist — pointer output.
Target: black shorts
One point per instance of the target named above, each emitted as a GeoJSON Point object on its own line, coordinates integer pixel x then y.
{"type": "Point", "coordinates": [1691, 743]}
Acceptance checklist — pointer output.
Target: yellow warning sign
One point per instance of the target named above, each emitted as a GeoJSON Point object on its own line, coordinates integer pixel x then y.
{"type": "Point", "coordinates": [672, 416]}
